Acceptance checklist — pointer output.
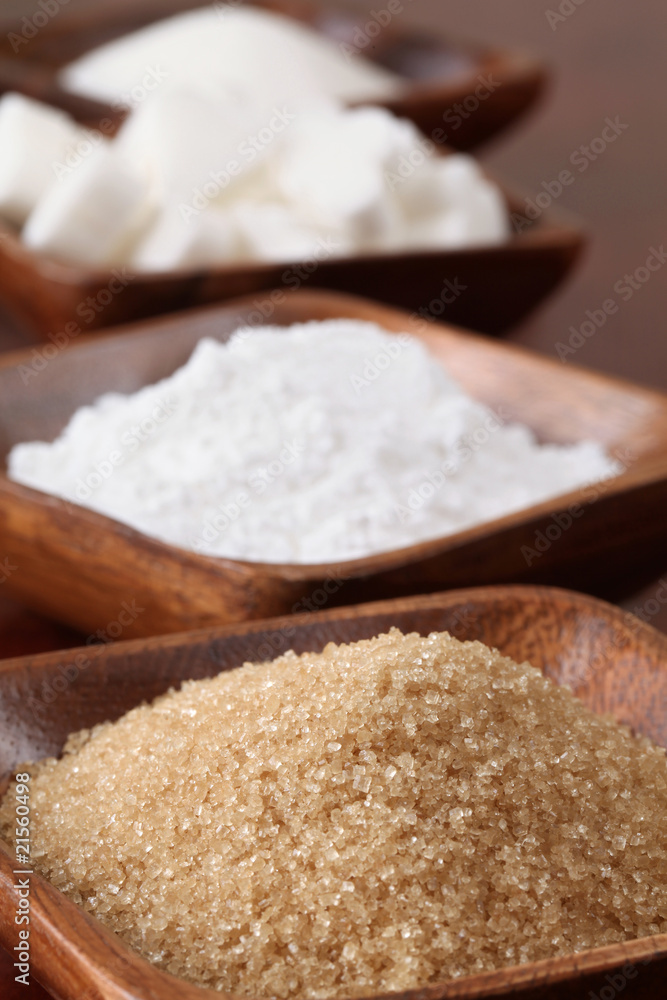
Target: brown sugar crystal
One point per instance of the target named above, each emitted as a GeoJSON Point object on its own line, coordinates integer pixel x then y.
{"type": "Point", "coordinates": [374, 817]}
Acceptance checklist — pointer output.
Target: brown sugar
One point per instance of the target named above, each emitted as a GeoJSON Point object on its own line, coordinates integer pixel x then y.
{"type": "Point", "coordinates": [375, 817]}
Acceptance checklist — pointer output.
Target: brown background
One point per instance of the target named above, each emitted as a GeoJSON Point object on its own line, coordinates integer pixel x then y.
{"type": "Point", "coordinates": [607, 60]}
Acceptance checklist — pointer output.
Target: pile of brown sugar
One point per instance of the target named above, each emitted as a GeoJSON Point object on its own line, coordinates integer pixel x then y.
{"type": "Point", "coordinates": [375, 817]}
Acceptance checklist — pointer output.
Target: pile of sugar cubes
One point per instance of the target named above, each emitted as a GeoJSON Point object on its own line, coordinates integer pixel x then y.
{"type": "Point", "coordinates": [211, 171]}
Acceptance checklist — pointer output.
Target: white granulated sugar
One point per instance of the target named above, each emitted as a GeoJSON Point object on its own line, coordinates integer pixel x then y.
{"type": "Point", "coordinates": [318, 443]}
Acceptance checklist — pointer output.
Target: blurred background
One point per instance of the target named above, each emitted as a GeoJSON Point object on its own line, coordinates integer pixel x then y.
{"type": "Point", "coordinates": [606, 59]}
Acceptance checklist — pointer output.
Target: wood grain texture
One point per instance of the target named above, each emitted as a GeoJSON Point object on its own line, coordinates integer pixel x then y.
{"type": "Point", "coordinates": [574, 639]}
{"type": "Point", "coordinates": [81, 567]}
{"type": "Point", "coordinates": [438, 73]}
{"type": "Point", "coordinates": [23, 632]}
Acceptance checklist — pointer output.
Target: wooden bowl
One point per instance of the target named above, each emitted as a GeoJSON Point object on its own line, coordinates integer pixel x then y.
{"type": "Point", "coordinates": [483, 288]}
{"type": "Point", "coordinates": [80, 567]}
{"type": "Point", "coordinates": [615, 663]}
{"type": "Point", "coordinates": [439, 74]}
{"type": "Point", "coordinates": [502, 284]}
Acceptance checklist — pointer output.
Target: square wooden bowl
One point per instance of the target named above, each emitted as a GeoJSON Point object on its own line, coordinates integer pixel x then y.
{"type": "Point", "coordinates": [500, 284]}
{"type": "Point", "coordinates": [616, 664]}
{"type": "Point", "coordinates": [80, 567]}
{"type": "Point", "coordinates": [442, 77]}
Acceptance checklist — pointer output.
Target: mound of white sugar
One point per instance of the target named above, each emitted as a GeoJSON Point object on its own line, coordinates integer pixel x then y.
{"type": "Point", "coordinates": [275, 57]}
{"type": "Point", "coordinates": [317, 443]}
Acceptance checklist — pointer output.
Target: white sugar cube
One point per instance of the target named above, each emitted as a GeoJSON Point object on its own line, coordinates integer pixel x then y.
{"type": "Point", "coordinates": [331, 168]}
{"type": "Point", "coordinates": [276, 233]}
{"type": "Point", "coordinates": [33, 138]}
{"type": "Point", "coordinates": [193, 142]}
{"type": "Point", "coordinates": [425, 191]}
{"type": "Point", "coordinates": [447, 230]}
{"type": "Point", "coordinates": [95, 214]}
{"type": "Point", "coordinates": [379, 227]}
{"type": "Point", "coordinates": [384, 139]}
{"type": "Point", "coordinates": [480, 220]}
{"type": "Point", "coordinates": [174, 244]}
{"type": "Point", "coordinates": [320, 172]}
{"type": "Point", "coordinates": [449, 203]}
{"type": "Point", "coordinates": [488, 216]}
{"type": "Point", "coordinates": [437, 184]}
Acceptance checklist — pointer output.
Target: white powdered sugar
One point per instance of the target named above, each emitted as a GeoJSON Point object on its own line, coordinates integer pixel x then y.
{"type": "Point", "coordinates": [321, 442]}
